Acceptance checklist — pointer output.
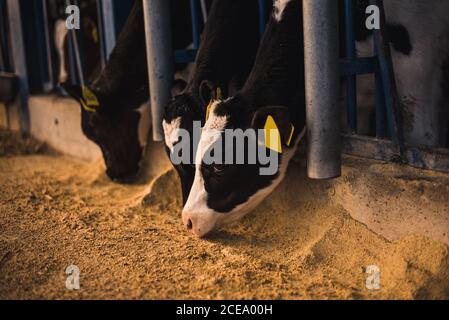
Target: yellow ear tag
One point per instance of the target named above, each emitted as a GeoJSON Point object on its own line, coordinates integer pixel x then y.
{"type": "Point", "coordinates": [272, 135]}
{"type": "Point", "coordinates": [290, 137]}
{"type": "Point", "coordinates": [89, 101]}
{"type": "Point", "coordinates": [218, 96]}
{"type": "Point", "coordinates": [208, 109]}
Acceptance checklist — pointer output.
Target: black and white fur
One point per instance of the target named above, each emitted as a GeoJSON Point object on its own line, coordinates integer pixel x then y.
{"type": "Point", "coordinates": [224, 193]}
{"type": "Point", "coordinates": [228, 48]}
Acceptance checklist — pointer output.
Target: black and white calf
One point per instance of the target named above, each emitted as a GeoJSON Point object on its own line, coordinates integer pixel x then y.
{"type": "Point", "coordinates": [226, 55]}
{"type": "Point", "coordinates": [109, 112]}
{"type": "Point", "coordinates": [222, 193]}
{"type": "Point", "coordinates": [111, 104]}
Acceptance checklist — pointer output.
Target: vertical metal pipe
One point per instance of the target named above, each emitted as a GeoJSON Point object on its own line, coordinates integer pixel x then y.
{"type": "Point", "coordinates": [49, 85]}
{"type": "Point", "coordinates": [262, 17]}
{"type": "Point", "coordinates": [321, 49]}
{"type": "Point", "coordinates": [195, 23]}
{"type": "Point", "coordinates": [381, 117]}
{"type": "Point", "coordinates": [108, 26]}
{"type": "Point", "coordinates": [74, 45]}
{"type": "Point", "coordinates": [160, 59]}
{"type": "Point", "coordinates": [18, 113]}
{"type": "Point", "coordinates": [204, 10]}
{"type": "Point", "coordinates": [351, 84]}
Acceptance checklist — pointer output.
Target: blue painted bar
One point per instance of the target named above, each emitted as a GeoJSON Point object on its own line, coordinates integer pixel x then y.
{"type": "Point", "coordinates": [358, 66]}
{"type": "Point", "coordinates": [194, 10]}
{"type": "Point", "coordinates": [262, 17]}
{"type": "Point", "coordinates": [351, 88]}
{"type": "Point", "coordinates": [379, 94]}
{"type": "Point", "coordinates": [185, 56]}
{"type": "Point", "coordinates": [380, 107]}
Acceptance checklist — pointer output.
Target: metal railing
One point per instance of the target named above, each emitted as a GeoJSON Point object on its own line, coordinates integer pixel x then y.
{"type": "Point", "coordinates": [388, 143]}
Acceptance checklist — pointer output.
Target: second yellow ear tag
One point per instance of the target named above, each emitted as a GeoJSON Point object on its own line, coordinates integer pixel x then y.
{"type": "Point", "coordinates": [272, 135]}
{"type": "Point", "coordinates": [90, 101]}
{"type": "Point", "coordinates": [218, 96]}
{"type": "Point", "coordinates": [208, 109]}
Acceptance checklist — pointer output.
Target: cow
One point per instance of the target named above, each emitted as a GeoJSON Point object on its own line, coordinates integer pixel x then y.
{"type": "Point", "coordinates": [111, 104]}
{"type": "Point", "coordinates": [226, 55]}
{"type": "Point", "coordinates": [223, 193]}
{"type": "Point", "coordinates": [419, 35]}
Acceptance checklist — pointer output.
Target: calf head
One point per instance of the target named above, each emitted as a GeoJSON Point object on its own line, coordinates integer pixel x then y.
{"type": "Point", "coordinates": [114, 128]}
{"type": "Point", "coordinates": [181, 114]}
{"type": "Point", "coordinates": [225, 188]}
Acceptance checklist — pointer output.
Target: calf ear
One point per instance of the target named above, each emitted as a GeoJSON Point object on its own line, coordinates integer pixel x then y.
{"type": "Point", "coordinates": [206, 91]}
{"type": "Point", "coordinates": [275, 118]}
{"type": "Point", "coordinates": [84, 95]}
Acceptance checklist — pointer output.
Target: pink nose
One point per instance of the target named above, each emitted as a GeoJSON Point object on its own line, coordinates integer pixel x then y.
{"type": "Point", "coordinates": [189, 222]}
{"type": "Point", "coordinates": [197, 224]}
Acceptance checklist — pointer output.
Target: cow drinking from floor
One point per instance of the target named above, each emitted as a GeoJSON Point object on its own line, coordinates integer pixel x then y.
{"type": "Point", "coordinates": [273, 93]}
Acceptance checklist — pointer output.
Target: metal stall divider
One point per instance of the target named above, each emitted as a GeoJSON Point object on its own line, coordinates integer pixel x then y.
{"type": "Point", "coordinates": [107, 28]}
{"type": "Point", "coordinates": [388, 118]}
{"type": "Point", "coordinates": [18, 113]}
{"type": "Point", "coordinates": [75, 60]}
{"type": "Point", "coordinates": [160, 59]}
{"type": "Point", "coordinates": [322, 88]}
{"type": "Point", "coordinates": [388, 145]}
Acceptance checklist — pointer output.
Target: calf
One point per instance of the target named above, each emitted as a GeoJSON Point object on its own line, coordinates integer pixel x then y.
{"type": "Point", "coordinates": [109, 115]}
{"type": "Point", "coordinates": [274, 92]}
{"type": "Point", "coordinates": [226, 55]}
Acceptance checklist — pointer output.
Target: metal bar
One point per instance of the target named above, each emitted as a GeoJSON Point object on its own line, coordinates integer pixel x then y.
{"type": "Point", "coordinates": [379, 97]}
{"type": "Point", "coordinates": [262, 17]}
{"type": "Point", "coordinates": [321, 49]}
{"type": "Point", "coordinates": [185, 56]}
{"type": "Point", "coordinates": [204, 10]}
{"type": "Point", "coordinates": [358, 66]}
{"type": "Point", "coordinates": [195, 23]}
{"type": "Point", "coordinates": [18, 113]}
{"type": "Point", "coordinates": [393, 110]}
{"type": "Point", "coordinates": [49, 85]}
{"type": "Point", "coordinates": [108, 27]}
{"type": "Point", "coordinates": [76, 52]}
{"type": "Point", "coordinates": [160, 59]}
{"type": "Point", "coordinates": [351, 82]}
{"type": "Point", "coordinates": [386, 150]}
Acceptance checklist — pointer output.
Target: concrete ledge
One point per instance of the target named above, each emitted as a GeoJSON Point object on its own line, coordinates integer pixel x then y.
{"type": "Point", "coordinates": [394, 200]}
{"type": "Point", "coordinates": [57, 122]}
